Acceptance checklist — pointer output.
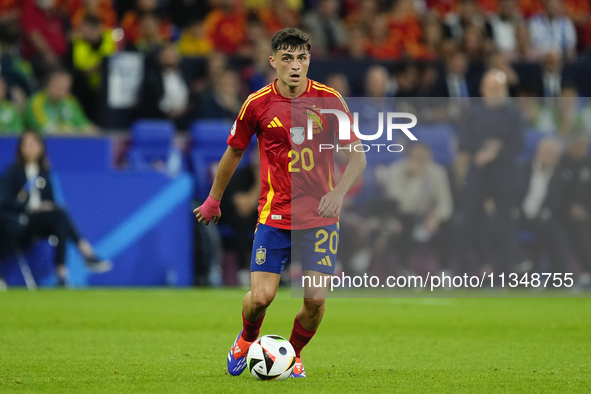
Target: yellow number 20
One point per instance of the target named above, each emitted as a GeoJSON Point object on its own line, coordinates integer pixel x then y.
{"type": "Point", "coordinates": [307, 157]}
{"type": "Point", "coordinates": [322, 236]}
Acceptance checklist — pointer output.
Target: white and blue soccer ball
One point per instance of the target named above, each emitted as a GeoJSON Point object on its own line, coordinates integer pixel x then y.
{"type": "Point", "coordinates": [271, 357]}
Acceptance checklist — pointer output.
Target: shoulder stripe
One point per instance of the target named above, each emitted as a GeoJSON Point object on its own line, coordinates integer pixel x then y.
{"type": "Point", "coordinates": [250, 99]}
{"type": "Point", "coordinates": [336, 94]}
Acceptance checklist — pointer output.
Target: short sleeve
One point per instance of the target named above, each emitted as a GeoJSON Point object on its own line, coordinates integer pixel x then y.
{"type": "Point", "coordinates": [243, 128]}
{"type": "Point", "coordinates": [341, 105]}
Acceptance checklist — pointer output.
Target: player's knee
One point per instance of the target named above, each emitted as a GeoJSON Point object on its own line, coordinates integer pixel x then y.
{"type": "Point", "coordinates": [262, 299]}
{"type": "Point", "coordinates": [314, 305]}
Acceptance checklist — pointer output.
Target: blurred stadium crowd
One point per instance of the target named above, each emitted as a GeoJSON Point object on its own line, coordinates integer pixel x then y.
{"type": "Point", "coordinates": [200, 59]}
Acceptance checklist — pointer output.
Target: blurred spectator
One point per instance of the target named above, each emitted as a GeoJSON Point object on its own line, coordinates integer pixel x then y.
{"type": "Point", "coordinates": [363, 15]}
{"type": "Point", "coordinates": [498, 61]}
{"type": "Point", "coordinates": [356, 43]}
{"type": "Point", "coordinates": [404, 83]}
{"type": "Point", "coordinates": [222, 100]}
{"type": "Point", "coordinates": [474, 44]}
{"type": "Point", "coordinates": [552, 31]}
{"type": "Point", "coordinates": [576, 175]}
{"type": "Point", "coordinates": [27, 202]}
{"type": "Point", "coordinates": [421, 189]}
{"type": "Point", "coordinates": [149, 38]}
{"type": "Point", "coordinates": [429, 46]}
{"type": "Point", "coordinates": [255, 75]}
{"type": "Point", "coordinates": [426, 79]}
{"type": "Point", "coordinates": [503, 25]}
{"type": "Point", "coordinates": [541, 201]}
{"type": "Point", "coordinates": [54, 110]}
{"type": "Point", "coordinates": [256, 36]}
{"type": "Point", "coordinates": [453, 82]}
{"type": "Point", "coordinates": [102, 9]}
{"type": "Point", "coordinates": [11, 121]}
{"type": "Point", "coordinates": [184, 13]}
{"type": "Point", "coordinates": [87, 50]}
{"type": "Point", "coordinates": [16, 71]}
{"type": "Point", "coordinates": [381, 44]}
{"type": "Point", "coordinates": [165, 92]}
{"type": "Point", "coordinates": [225, 26]}
{"type": "Point", "coordinates": [133, 21]}
{"type": "Point", "coordinates": [539, 116]}
{"type": "Point", "coordinates": [404, 25]}
{"type": "Point", "coordinates": [240, 213]}
{"type": "Point", "coordinates": [552, 74]}
{"type": "Point", "coordinates": [456, 22]}
{"type": "Point", "coordinates": [44, 34]}
{"type": "Point", "coordinates": [340, 83]}
{"type": "Point", "coordinates": [278, 15]}
{"type": "Point", "coordinates": [377, 82]}
{"type": "Point", "coordinates": [325, 27]}
{"type": "Point", "coordinates": [193, 41]}
{"type": "Point", "coordinates": [491, 136]}
{"type": "Point", "coordinates": [523, 51]}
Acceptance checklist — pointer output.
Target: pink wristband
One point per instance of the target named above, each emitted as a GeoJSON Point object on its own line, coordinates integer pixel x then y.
{"type": "Point", "coordinates": [210, 207]}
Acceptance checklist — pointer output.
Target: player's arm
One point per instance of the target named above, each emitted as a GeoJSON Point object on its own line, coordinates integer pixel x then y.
{"type": "Point", "coordinates": [210, 210]}
{"type": "Point", "coordinates": [332, 202]}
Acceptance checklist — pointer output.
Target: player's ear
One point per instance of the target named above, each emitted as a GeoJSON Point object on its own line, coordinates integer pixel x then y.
{"type": "Point", "coordinates": [272, 61]}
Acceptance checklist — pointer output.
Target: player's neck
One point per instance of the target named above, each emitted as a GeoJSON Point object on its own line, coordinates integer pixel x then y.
{"type": "Point", "coordinates": [290, 91]}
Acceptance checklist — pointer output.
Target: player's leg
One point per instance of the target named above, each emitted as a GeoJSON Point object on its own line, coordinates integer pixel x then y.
{"type": "Point", "coordinates": [270, 252]}
{"type": "Point", "coordinates": [318, 248]}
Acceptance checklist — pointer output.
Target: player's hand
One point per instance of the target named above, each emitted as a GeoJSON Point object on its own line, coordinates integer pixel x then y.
{"type": "Point", "coordinates": [208, 211]}
{"type": "Point", "coordinates": [201, 218]}
{"type": "Point", "coordinates": [330, 205]}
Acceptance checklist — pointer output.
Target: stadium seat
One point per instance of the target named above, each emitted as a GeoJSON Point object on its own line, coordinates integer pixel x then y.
{"type": "Point", "coordinates": [440, 138]}
{"type": "Point", "coordinates": [151, 142]}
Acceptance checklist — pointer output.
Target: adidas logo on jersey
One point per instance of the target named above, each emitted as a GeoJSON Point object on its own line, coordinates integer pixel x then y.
{"type": "Point", "coordinates": [274, 123]}
{"type": "Point", "coordinates": [325, 261]}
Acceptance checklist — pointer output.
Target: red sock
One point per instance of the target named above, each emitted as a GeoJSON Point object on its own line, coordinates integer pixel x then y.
{"type": "Point", "coordinates": [251, 331]}
{"type": "Point", "coordinates": [300, 337]}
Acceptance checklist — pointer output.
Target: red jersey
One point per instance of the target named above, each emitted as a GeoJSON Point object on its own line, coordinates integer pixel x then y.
{"type": "Point", "coordinates": [295, 173]}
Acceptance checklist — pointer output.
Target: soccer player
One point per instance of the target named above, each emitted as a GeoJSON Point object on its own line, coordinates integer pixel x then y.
{"type": "Point", "coordinates": [298, 205]}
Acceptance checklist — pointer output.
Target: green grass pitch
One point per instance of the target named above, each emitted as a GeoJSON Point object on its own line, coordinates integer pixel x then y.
{"type": "Point", "coordinates": [176, 341]}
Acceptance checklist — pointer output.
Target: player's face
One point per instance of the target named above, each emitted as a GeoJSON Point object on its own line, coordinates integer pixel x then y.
{"type": "Point", "coordinates": [292, 66]}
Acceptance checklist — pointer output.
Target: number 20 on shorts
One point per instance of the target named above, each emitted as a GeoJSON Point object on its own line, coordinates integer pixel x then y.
{"type": "Point", "coordinates": [333, 242]}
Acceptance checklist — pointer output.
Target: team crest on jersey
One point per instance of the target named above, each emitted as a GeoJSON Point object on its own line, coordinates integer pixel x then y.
{"type": "Point", "coordinates": [297, 135]}
{"type": "Point", "coordinates": [233, 130]}
{"type": "Point", "coordinates": [261, 256]}
{"type": "Point", "coordinates": [318, 121]}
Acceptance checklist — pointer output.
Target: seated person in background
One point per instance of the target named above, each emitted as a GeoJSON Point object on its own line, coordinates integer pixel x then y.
{"type": "Point", "coordinates": [193, 41]}
{"type": "Point", "coordinates": [240, 213]}
{"type": "Point", "coordinates": [26, 200]}
{"type": "Point", "coordinates": [54, 110]}
{"type": "Point", "coordinates": [421, 189]}
{"type": "Point", "coordinates": [11, 121]}
{"type": "Point", "coordinates": [165, 93]}
{"type": "Point", "coordinates": [222, 100]}
{"type": "Point", "coordinates": [16, 71]}
{"type": "Point", "coordinates": [44, 34]}
{"type": "Point", "coordinates": [149, 37]}
{"type": "Point", "coordinates": [132, 22]}
{"type": "Point", "coordinates": [102, 9]}
{"type": "Point", "coordinates": [86, 52]}
{"type": "Point", "coordinates": [541, 200]}
{"type": "Point", "coordinates": [576, 175]}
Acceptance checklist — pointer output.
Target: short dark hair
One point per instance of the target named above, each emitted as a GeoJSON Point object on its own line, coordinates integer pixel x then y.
{"type": "Point", "coordinates": [290, 39]}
